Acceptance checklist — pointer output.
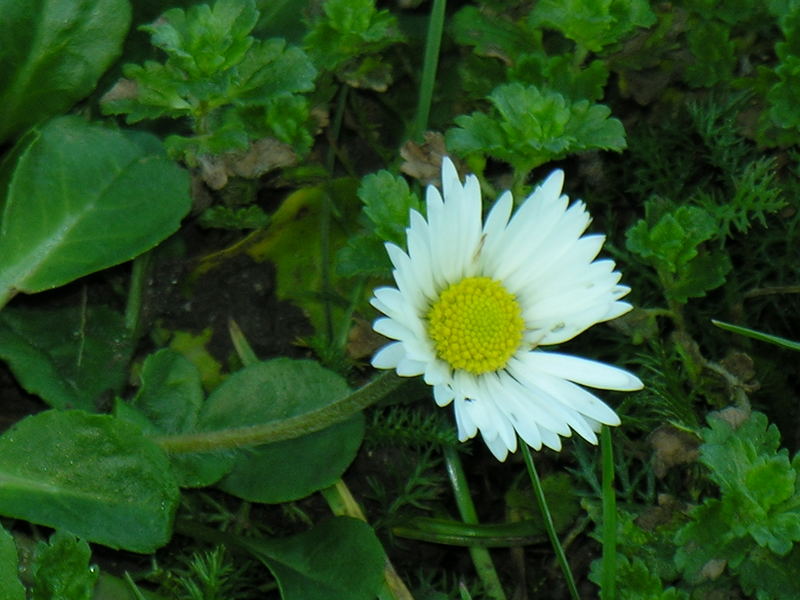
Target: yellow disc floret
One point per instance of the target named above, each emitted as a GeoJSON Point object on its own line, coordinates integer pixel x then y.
{"type": "Point", "coordinates": [476, 325]}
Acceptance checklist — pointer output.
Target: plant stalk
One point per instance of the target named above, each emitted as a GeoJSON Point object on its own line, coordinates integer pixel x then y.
{"type": "Point", "coordinates": [548, 521]}
{"type": "Point", "coordinates": [608, 581]}
{"type": "Point", "coordinates": [293, 427]}
{"type": "Point", "coordinates": [466, 508]}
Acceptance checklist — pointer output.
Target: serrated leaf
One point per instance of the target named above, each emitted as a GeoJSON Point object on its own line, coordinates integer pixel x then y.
{"type": "Point", "coordinates": [363, 255]}
{"type": "Point", "coordinates": [714, 56]}
{"type": "Point", "coordinates": [10, 585]}
{"type": "Point", "coordinates": [707, 537]}
{"type": "Point", "coordinates": [92, 475]}
{"type": "Point", "coordinates": [338, 558]}
{"type": "Point", "coordinates": [83, 198]}
{"type": "Point", "coordinates": [204, 40]}
{"type": "Point", "coordinates": [349, 29]}
{"type": "Point", "coordinates": [494, 35]}
{"type": "Point", "coordinates": [766, 576]}
{"type": "Point", "coordinates": [703, 273]}
{"type": "Point", "coordinates": [593, 24]}
{"type": "Point", "coordinates": [52, 55]}
{"type": "Point", "coordinates": [672, 241]}
{"type": "Point", "coordinates": [273, 391]}
{"type": "Point", "coordinates": [561, 74]}
{"type": "Point", "coordinates": [68, 356]}
{"type": "Point", "coordinates": [387, 202]}
{"type": "Point", "coordinates": [530, 126]}
{"type": "Point", "coordinates": [61, 569]}
{"type": "Point", "coordinates": [270, 69]}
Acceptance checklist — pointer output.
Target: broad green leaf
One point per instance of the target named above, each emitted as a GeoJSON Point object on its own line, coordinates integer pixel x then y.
{"type": "Point", "coordinates": [92, 475]}
{"type": "Point", "coordinates": [758, 335]}
{"type": "Point", "coordinates": [275, 390]}
{"type": "Point", "coordinates": [83, 198]}
{"type": "Point", "coordinates": [339, 558]}
{"type": "Point", "coordinates": [70, 357]}
{"type": "Point", "coordinates": [52, 54]}
{"type": "Point", "coordinates": [10, 585]}
{"type": "Point", "coordinates": [169, 401]}
{"type": "Point", "coordinates": [61, 569]}
{"type": "Point", "coordinates": [171, 393]}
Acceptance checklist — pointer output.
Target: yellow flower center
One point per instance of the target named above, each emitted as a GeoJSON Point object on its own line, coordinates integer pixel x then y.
{"type": "Point", "coordinates": [476, 325]}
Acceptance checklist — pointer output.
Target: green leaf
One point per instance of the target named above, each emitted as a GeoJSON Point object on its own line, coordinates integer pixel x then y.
{"type": "Point", "coordinates": [61, 569]}
{"type": "Point", "coordinates": [593, 24]}
{"type": "Point", "coordinates": [271, 69]}
{"type": "Point", "coordinates": [530, 127]}
{"type": "Point", "coordinates": [70, 357]}
{"type": "Point", "coordinates": [272, 391]}
{"type": "Point", "coordinates": [714, 56]}
{"type": "Point", "coordinates": [758, 335]}
{"type": "Point", "coordinates": [708, 537]}
{"type": "Point", "coordinates": [363, 255]}
{"type": "Point", "coordinates": [672, 242]}
{"type": "Point", "coordinates": [494, 35]}
{"type": "Point", "coordinates": [339, 558]}
{"type": "Point", "coordinates": [635, 581]}
{"type": "Point", "coordinates": [768, 577]}
{"type": "Point", "coordinates": [169, 401]}
{"type": "Point", "coordinates": [52, 54]}
{"type": "Point", "coordinates": [705, 272]}
{"type": "Point", "coordinates": [205, 40]}
{"type": "Point", "coordinates": [92, 475]}
{"type": "Point", "coordinates": [561, 74]}
{"type": "Point", "coordinates": [387, 202]}
{"type": "Point", "coordinates": [83, 198]}
{"type": "Point", "coordinates": [10, 585]}
{"type": "Point", "coordinates": [350, 29]}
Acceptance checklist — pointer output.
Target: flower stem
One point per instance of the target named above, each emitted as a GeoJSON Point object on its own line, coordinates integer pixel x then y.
{"type": "Point", "coordinates": [293, 427]}
{"type": "Point", "coordinates": [133, 309]}
{"type": "Point", "coordinates": [432, 43]}
{"type": "Point", "coordinates": [608, 581]}
{"type": "Point", "coordinates": [480, 555]}
{"type": "Point", "coordinates": [548, 521]}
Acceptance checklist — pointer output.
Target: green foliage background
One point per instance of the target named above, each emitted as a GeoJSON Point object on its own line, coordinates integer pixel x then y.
{"type": "Point", "coordinates": [251, 158]}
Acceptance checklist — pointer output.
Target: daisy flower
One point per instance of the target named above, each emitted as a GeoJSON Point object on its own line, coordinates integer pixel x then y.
{"type": "Point", "coordinates": [476, 301]}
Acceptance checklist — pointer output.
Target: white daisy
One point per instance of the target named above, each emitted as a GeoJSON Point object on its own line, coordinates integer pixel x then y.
{"type": "Point", "coordinates": [475, 300]}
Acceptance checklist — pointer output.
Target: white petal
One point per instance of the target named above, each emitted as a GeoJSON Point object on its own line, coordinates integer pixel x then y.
{"type": "Point", "coordinates": [466, 426]}
{"type": "Point", "coordinates": [499, 447]}
{"type": "Point", "coordinates": [437, 372]}
{"type": "Point", "coordinates": [581, 400]}
{"type": "Point", "coordinates": [584, 371]}
{"type": "Point", "coordinates": [443, 394]}
{"type": "Point", "coordinates": [410, 368]}
{"type": "Point", "coordinates": [389, 356]}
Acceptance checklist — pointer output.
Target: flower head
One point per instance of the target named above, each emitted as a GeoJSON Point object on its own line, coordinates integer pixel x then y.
{"type": "Point", "coordinates": [476, 300]}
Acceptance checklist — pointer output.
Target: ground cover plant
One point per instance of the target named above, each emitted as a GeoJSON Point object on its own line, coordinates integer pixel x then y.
{"type": "Point", "coordinates": [244, 246]}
